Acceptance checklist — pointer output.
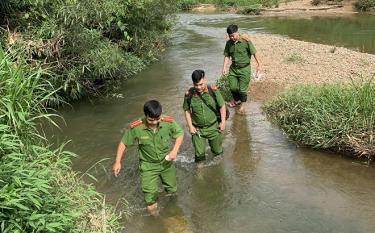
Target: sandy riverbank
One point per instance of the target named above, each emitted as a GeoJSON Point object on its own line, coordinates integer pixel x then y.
{"type": "Point", "coordinates": [287, 62]}
{"type": "Point", "coordinates": [305, 7]}
{"type": "Point", "coordinates": [292, 8]}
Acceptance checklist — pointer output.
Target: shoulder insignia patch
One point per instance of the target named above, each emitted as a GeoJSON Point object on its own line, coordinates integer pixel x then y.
{"type": "Point", "coordinates": [187, 93]}
{"type": "Point", "coordinates": [135, 124]}
{"type": "Point", "coordinates": [215, 88]}
{"type": "Point", "coordinates": [167, 119]}
{"type": "Point", "coordinates": [246, 37]}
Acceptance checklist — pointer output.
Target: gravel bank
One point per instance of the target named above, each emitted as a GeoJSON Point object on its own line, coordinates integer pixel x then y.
{"type": "Point", "coordinates": [287, 62]}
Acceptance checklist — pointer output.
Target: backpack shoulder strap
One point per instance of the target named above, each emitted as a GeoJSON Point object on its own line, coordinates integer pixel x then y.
{"type": "Point", "coordinates": [212, 93]}
{"type": "Point", "coordinates": [190, 93]}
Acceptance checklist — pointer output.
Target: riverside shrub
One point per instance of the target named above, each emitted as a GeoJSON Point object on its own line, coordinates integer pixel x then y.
{"type": "Point", "coordinates": [38, 190]}
{"type": "Point", "coordinates": [90, 44]}
{"type": "Point", "coordinates": [336, 117]}
{"type": "Point", "coordinates": [223, 84]}
{"type": "Point", "coordinates": [365, 5]}
{"type": "Point", "coordinates": [244, 6]}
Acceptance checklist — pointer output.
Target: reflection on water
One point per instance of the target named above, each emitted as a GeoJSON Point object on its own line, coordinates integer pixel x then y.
{"type": "Point", "coordinates": [262, 182]}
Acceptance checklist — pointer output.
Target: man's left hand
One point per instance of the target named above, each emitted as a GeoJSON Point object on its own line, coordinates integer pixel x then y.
{"type": "Point", "coordinates": [171, 156]}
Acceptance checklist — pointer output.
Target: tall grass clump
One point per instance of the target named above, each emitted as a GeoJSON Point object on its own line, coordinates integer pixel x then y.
{"type": "Point", "coordinates": [38, 190]}
{"type": "Point", "coordinates": [335, 117]}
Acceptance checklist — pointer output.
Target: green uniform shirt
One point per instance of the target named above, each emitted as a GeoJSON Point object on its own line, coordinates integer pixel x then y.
{"type": "Point", "coordinates": [240, 51]}
{"type": "Point", "coordinates": [201, 114]}
{"type": "Point", "coordinates": [153, 147]}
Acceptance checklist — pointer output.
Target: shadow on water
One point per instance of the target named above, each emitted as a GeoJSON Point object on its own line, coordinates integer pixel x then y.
{"type": "Point", "coordinates": [262, 183]}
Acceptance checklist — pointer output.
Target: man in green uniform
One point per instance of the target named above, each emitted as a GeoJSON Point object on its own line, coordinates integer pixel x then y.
{"type": "Point", "coordinates": [239, 49]}
{"type": "Point", "coordinates": [201, 116]}
{"type": "Point", "coordinates": [153, 134]}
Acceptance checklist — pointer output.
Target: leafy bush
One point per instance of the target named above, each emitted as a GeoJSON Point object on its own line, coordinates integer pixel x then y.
{"type": "Point", "coordinates": [38, 190]}
{"type": "Point", "coordinates": [187, 5]}
{"type": "Point", "coordinates": [315, 2]}
{"type": "Point", "coordinates": [91, 44]}
{"type": "Point", "coordinates": [335, 117]}
{"type": "Point", "coordinates": [252, 10]}
{"type": "Point", "coordinates": [243, 6]}
{"type": "Point", "coordinates": [223, 84]}
{"type": "Point", "coordinates": [365, 5]}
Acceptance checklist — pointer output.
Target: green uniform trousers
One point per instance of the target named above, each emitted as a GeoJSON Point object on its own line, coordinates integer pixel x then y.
{"type": "Point", "coordinates": [239, 79]}
{"type": "Point", "coordinates": [150, 173]}
{"type": "Point", "coordinates": [215, 140]}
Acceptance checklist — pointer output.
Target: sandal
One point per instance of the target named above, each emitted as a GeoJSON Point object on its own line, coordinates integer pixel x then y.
{"type": "Point", "coordinates": [232, 104]}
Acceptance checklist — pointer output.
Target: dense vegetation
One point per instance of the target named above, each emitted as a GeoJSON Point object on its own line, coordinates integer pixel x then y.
{"type": "Point", "coordinates": [333, 117]}
{"type": "Point", "coordinates": [365, 5]}
{"type": "Point", "coordinates": [38, 190]}
{"type": "Point", "coordinates": [90, 44]}
{"type": "Point", "coordinates": [254, 6]}
{"type": "Point", "coordinates": [53, 51]}
{"type": "Point", "coordinates": [242, 6]}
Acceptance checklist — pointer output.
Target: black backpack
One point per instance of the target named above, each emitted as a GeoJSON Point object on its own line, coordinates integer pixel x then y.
{"type": "Point", "coordinates": [213, 95]}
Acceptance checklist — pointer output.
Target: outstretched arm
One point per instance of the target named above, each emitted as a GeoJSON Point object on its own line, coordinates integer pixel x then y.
{"type": "Point", "coordinates": [189, 122]}
{"type": "Point", "coordinates": [223, 113]}
{"type": "Point", "coordinates": [225, 64]}
{"type": "Point", "coordinates": [258, 66]}
{"type": "Point", "coordinates": [120, 152]}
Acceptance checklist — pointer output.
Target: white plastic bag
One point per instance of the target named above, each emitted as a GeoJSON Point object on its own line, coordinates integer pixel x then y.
{"type": "Point", "coordinates": [257, 76]}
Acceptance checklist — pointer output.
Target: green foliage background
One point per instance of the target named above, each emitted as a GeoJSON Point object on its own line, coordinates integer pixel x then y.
{"type": "Point", "coordinates": [38, 190]}
{"type": "Point", "coordinates": [90, 44]}
{"type": "Point", "coordinates": [53, 51]}
{"type": "Point", "coordinates": [365, 5]}
{"type": "Point", "coordinates": [243, 6]}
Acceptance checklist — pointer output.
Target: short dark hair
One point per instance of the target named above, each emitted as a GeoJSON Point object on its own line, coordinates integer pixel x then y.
{"type": "Point", "coordinates": [197, 75]}
{"type": "Point", "coordinates": [152, 108]}
{"type": "Point", "coordinates": [232, 29]}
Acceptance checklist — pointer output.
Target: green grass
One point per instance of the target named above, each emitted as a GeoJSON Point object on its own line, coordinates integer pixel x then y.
{"type": "Point", "coordinates": [38, 190]}
{"type": "Point", "coordinates": [335, 117]}
{"type": "Point", "coordinates": [294, 58]}
{"type": "Point", "coordinates": [223, 84]}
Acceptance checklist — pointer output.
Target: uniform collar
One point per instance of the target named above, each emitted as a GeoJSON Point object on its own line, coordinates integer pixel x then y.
{"type": "Point", "coordinates": [145, 126]}
{"type": "Point", "coordinates": [205, 91]}
{"type": "Point", "coordinates": [240, 40]}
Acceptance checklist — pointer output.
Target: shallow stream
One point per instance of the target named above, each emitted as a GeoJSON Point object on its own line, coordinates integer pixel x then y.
{"type": "Point", "coordinates": [262, 183]}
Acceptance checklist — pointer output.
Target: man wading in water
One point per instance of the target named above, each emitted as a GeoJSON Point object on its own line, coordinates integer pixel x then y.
{"type": "Point", "coordinates": [153, 134]}
{"type": "Point", "coordinates": [239, 49]}
{"type": "Point", "coordinates": [202, 104]}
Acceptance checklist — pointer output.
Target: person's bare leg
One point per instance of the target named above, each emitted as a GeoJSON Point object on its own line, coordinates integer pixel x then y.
{"type": "Point", "coordinates": [241, 108]}
{"type": "Point", "coordinates": [153, 209]}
